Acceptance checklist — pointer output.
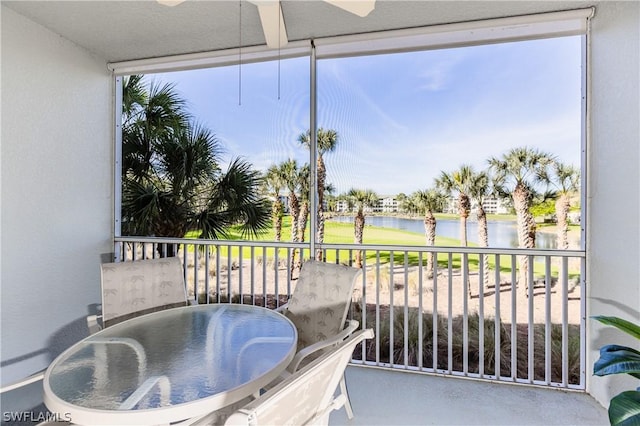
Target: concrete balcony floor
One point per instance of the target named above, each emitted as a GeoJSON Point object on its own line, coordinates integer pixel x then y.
{"type": "Point", "coordinates": [382, 397]}
{"type": "Point", "coordinates": [390, 398]}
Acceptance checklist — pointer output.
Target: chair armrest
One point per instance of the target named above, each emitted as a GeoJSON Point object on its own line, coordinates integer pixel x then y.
{"type": "Point", "coordinates": [93, 324]}
{"type": "Point", "coordinates": [282, 308]}
{"type": "Point", "coordinates": [23, 382]}
{"type": "Point", "coordinates": [323, 416]}
{"type": "Point", "coordinates": [352, 325]}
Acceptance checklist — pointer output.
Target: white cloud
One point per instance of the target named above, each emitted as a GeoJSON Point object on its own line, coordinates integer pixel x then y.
{"type": "Point", "coordinates": [438, 75]}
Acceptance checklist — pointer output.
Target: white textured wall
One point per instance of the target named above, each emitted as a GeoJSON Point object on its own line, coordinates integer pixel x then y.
{"type": "Point", "coordinates": [56, 160]}
{"type": "Point", "coordinates": [613, 206]}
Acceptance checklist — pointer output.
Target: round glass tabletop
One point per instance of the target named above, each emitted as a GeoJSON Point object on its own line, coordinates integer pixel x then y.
{"type": "Point", "coordinates": [206, 355]}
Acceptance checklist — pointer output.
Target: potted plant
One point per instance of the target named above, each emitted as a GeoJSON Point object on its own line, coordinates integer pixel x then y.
{"type": "Point", "coordinates": [624, 408]}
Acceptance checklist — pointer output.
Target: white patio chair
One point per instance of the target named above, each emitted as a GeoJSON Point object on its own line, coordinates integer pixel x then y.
{"type": "Point", "coordinates": [307, 396]}
{"type": "Point", "coordinates": [130, 289]}
{"type": "Point", "coordinates": [318, 307]}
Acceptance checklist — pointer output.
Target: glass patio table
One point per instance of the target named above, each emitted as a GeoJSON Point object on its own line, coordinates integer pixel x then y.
{"type": "Point", "coordinates": [171, 365]}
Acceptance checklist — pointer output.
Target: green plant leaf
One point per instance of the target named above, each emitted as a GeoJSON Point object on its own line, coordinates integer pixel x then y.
{"type": "Point", "coordinates": [623, 325]}
{"type": "Point", "coordinates": [616, 359]}
{"type": "Point", "coordinates": [624, 409]}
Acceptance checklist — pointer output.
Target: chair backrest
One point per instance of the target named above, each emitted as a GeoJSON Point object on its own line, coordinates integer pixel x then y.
{"type": "Point", "coordinates": [134, 288]}
{"type": "Point", "coordinates": [320, 301]}
{"type": "Point", "coordinates": [306, 396]}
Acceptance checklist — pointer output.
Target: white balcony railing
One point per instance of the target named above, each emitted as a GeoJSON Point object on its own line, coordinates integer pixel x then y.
{"type": "Point", "coordinates": [466, 318]}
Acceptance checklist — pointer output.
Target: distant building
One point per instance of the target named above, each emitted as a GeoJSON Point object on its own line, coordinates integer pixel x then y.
{"type": "Point", "coordinates": [491, 205]}
{"type": "Point", "coordinates": [387, 204]}
{"type": "Point", "coordinates": [342, 206]}
{"type": "Point", "coordinates": [451, 206]}
{"type": "Point", "coordinates": [495, 205]}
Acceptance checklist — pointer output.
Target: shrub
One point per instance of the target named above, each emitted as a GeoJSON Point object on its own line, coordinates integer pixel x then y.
{"type": "Point", "coordinates": [394, 352]}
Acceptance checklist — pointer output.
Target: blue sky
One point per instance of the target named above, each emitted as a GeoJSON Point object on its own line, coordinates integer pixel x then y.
{"type": "Point", "coordinates": [401, 118]}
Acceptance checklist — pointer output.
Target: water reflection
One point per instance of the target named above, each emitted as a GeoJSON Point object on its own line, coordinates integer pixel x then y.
{"type": "Point", "coordinates": [502, 234]}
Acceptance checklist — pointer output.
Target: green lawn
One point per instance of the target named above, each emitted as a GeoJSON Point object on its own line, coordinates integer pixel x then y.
{"type": "Point", "coordinates": [342, 233]}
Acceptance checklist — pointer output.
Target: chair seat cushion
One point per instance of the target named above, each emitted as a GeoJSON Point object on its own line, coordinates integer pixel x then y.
{"type": "Point", "coordinates": [131, 288]}
{"type": "Point", "coordinates": [320, 302]}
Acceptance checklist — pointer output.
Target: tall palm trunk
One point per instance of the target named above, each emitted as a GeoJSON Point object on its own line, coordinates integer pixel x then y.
{"type": "Point", "coordinates": [562, 212]}
{"type": "Point", "coordinates": [302, 227]}
{"type": "Point", "coordinates": [173, 228]}
{"type": "Point", "coordinates": [276, 214]}
{"type": "Point", "coordinates": [322, 173]}
{"type": "Point", "coordinates": [526, 231]}
{"type": "Point", "coordinates": [430, 234]}
{"type": "Point", "coordinates": [302, 220]}
{"type": "Point", "coordinates": [463, 210]}
{"type": "Point", "coordinates": [358, 232]}
{"type": "Point", "coordinates": [322, 176]}
{"type": "Point", "coordinates": [483, 239]}
{"type": "Point", "coordinates": [294, 211]}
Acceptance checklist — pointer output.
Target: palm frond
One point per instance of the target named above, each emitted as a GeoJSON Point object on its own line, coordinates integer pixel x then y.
{"type": "Point", "coordinates": [236, 199]}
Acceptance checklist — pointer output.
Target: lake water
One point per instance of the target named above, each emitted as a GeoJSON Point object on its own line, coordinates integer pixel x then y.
{"type": "Point", "coordinates": [502, 234]}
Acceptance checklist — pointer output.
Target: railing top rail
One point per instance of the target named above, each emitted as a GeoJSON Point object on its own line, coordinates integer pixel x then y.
{"type": "Point", "coordinates": [459, 249]}
{"type": "Point", "coordinates": [424, 249]}
{"type": "Point", "coordinates": [204, 242]}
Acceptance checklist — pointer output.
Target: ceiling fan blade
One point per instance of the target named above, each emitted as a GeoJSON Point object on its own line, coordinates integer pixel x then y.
{"type": "Point", "coordinates": [170, 2]}
{"type": "Point", "coordinates": [275, 33]}
{"type": "Point", "coordinates": [358, 7]}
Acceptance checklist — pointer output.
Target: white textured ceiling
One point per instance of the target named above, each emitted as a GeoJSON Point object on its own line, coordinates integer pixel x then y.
{"type": "Point", "coordinates": [126, 30]}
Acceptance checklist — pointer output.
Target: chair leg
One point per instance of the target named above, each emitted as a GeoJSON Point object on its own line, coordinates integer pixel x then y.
{"type": "Point", "coordinates": [347, 404]}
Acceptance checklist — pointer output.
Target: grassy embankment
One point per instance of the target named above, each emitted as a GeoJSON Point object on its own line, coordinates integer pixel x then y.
{"type": "Point", "coordinates": [342, 233]}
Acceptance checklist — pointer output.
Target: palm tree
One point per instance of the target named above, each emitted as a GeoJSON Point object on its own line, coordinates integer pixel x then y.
{"type": "Point", "coordinates": [290, 175]}
{"type": "Point", "coordinates": [344, 198]}
{"type": "Point", "coordinates": [404, 203]}
{"type": "Point", "coordinates": [479, 190]}
{"type": "Point", "coordinates": [408, 204]}
{"type": "Point", "coordinates": [171, 179]}
{"type": "Point", "coordinates": [304, 174]}
{"type": "Point", "coordinates": [150, 115]}
{"type": "Point", "coordinates": [274, 182]}
{"type": "Point", "coordinates": [458, 182]}
{"type": "Point", "coordinates": [303, 181]}
{"type": "Point", "coordinates": [428, 202]}
{"type": "Point", "coordinates": [362, 199]}
{"type": "Point", "coordinates": [326, 142]}
{"type": "Point", "coordinates": [566, 180]}
{"type": "Point", "coordinates": [516, 175]}
{"type": "Point", "coordinates": [303, 217]}
{"type": "Point", "coordinates": [330, 199]}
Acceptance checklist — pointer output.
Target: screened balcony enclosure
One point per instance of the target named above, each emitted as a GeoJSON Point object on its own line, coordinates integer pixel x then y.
{"type": "Point", "coordinates": [465, 332]}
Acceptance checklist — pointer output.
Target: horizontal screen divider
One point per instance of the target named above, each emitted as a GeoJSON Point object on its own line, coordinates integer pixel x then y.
{"type": "Point", "coordinates": [486, 31]}
{"type": "Point", "coordinates": [217, 58]}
